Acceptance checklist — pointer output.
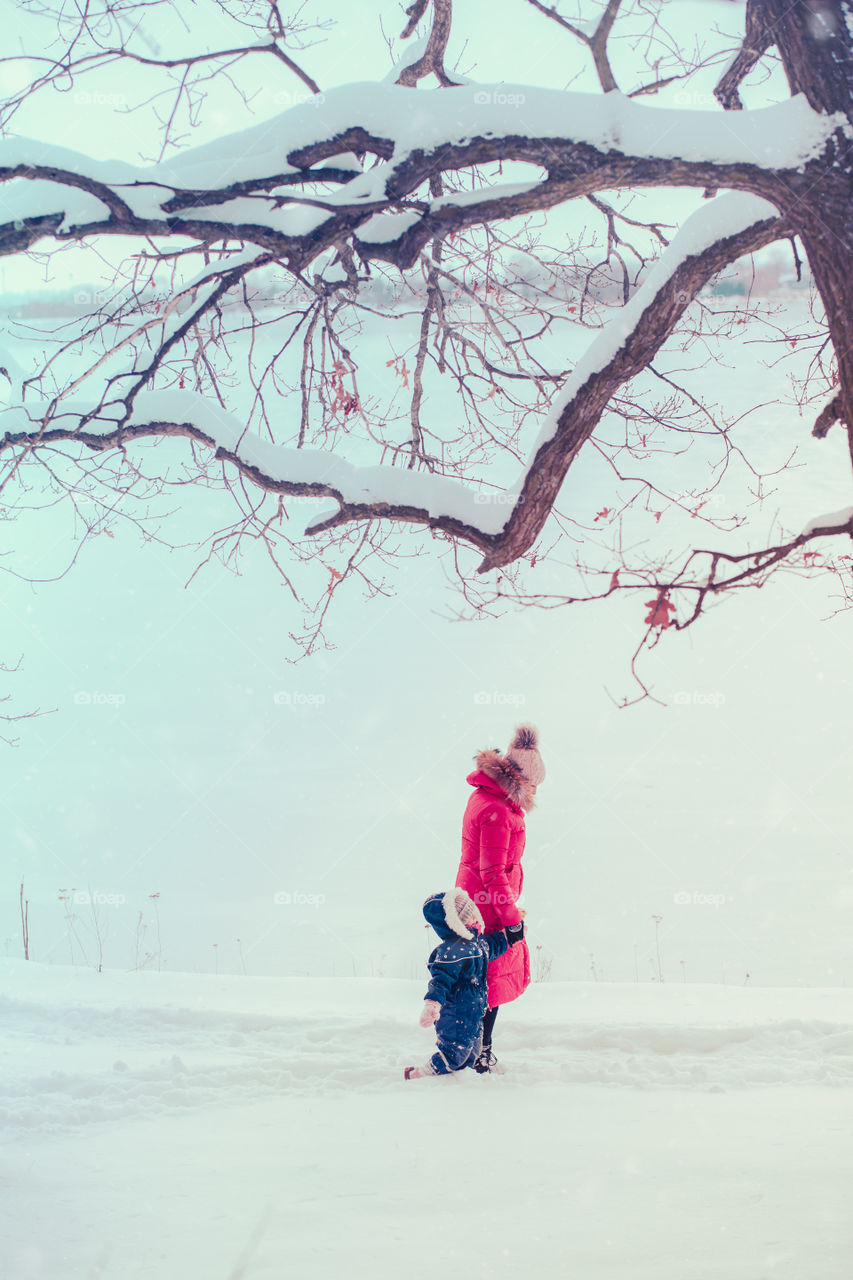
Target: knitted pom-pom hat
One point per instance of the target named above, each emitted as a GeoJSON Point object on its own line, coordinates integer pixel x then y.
{"type": "Point", "coordinates": [523, 751]}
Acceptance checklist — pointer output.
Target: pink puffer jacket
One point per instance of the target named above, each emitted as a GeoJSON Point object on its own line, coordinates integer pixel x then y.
{"type": "Point", "coordinates": [490, 870]}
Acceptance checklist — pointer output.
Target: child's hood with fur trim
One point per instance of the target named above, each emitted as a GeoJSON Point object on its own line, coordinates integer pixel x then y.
{"type": "Point", "coordinates": [440, 911]}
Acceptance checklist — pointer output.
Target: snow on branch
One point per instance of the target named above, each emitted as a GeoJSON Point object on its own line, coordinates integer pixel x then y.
{"type": "Point", "coordinates": [503, 529]}
{"type": "Point", "coordinates": [834, 522]}
{"type": "Point", "coordinates": [365, 492]}
{"type": "Point", "coordinates": [242, 184]}
{"type": "Point", "coordinates": [717, 234]}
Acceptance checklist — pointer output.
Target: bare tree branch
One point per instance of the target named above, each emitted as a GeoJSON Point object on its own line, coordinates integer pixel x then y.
{"type": "Point", "coordinates": [828, 415]}
{"type": "Point", "coordinates": [578, 418]}
{"type": "Point", "coordinates": [252, 278]}
{"type": "Point", "coordinates": [756, 42]}
{"type": "Point", "coordinates": [432, 60]}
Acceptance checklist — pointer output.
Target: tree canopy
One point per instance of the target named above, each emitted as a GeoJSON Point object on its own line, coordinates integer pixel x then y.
{"type": "Point", "coordinates": [410, 307]}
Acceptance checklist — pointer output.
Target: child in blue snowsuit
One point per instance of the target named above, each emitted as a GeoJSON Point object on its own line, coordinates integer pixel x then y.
{"type": "Point", "coordinates": [456, 996]}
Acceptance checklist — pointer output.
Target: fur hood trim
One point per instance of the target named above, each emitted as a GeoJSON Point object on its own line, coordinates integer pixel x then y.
{"type": "Point", "coordinates": [445, 912]}
{"type": "Point", "coordinates": [508, 776]}
{"type": "Point", "coordinates": [451, 915]}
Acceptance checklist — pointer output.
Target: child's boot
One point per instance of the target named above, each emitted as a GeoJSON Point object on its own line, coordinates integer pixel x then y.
{"type": "Point", "coordinates": [487, 1063]}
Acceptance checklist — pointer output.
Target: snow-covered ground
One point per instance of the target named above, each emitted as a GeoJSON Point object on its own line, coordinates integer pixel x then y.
{"type": "Point", "coordinates": [172, 1125]}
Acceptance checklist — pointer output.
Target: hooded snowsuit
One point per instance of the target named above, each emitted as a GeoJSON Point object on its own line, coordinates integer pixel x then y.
{"type": "Point", "coordinates": [490, 870]}
{"type": "Point", "coordinates": [457, 982]}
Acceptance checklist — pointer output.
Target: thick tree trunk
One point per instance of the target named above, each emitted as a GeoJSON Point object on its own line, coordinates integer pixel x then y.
{"type": "Point", "coordinates": [815, 42]}
{"type": "Point", "coordinates": [828, 241]}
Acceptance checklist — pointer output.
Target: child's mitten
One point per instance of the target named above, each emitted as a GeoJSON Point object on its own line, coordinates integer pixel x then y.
{"type": "Point", "coordinates": [431, 1011]}
{"type": "Point", "coordinates": [514, 932]}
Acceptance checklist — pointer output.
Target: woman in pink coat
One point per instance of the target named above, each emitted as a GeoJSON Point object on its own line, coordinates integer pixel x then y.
{"type": "Point", "coordinates": [490, 868]}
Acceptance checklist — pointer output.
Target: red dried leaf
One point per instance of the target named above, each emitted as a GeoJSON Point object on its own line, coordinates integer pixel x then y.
{"type": "Point", "coordinates": [659, 611]}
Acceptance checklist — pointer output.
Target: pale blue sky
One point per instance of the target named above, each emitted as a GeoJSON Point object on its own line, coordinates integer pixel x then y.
{"type": "Point", "coordinates": [184, 775]}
